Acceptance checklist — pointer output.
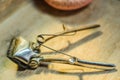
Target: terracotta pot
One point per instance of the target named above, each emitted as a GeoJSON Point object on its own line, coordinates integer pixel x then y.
{"type": "Point", "coordinates": [68, 4]}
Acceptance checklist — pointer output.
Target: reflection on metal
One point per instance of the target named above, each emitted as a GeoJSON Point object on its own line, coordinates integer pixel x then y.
{"type": "Point", "coordinates": [27, 54]}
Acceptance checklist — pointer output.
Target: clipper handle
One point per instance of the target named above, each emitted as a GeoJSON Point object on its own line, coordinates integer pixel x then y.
{"type": "Point", "coordinates": [98, 65]}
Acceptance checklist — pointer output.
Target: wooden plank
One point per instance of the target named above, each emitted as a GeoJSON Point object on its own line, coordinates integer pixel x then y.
{"type": "Point", "coordinates": [8, 6]}
{"type": "Point", "coordinates": [32, 19]}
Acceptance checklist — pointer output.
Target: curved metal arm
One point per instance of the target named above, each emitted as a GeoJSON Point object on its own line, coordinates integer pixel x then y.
{"type": "Point", "coordinates": [96, 63]}
{"type": "Point", "coordinates": [65, 32]}
{"type": "Point", "coordinates": [73, 60]}
{"type": "Point", "coordinates": [77, 62]}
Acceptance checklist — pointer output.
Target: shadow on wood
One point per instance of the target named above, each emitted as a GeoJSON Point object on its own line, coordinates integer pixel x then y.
{"type": "Point", "coordinates": [77, 43]}
{"type": "Point", "coordinates": [44, 68]}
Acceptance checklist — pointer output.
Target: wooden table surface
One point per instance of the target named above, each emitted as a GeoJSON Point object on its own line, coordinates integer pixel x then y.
{"type": "Point", "coordinates": [100, 45]}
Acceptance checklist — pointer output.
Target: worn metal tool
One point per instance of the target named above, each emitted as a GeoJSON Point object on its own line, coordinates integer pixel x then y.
{"type": "Point", "coordinates": [28, 54]}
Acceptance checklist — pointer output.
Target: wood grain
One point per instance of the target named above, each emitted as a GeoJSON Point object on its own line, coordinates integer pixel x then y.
{"type": "Point", "coordinates": [8, 6]}
{"type": "Point", "coordinates": [99, 45]}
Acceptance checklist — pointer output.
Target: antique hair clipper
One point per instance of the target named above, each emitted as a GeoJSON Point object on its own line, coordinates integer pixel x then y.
{"type": "Point", "coordinates": [28, 54]}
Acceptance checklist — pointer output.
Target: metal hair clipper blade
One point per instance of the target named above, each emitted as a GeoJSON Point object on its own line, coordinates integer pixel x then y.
{"type": "Point", "coordinates": [28, 55]}
{"type": "Point", "coordinates": [23, 53]}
